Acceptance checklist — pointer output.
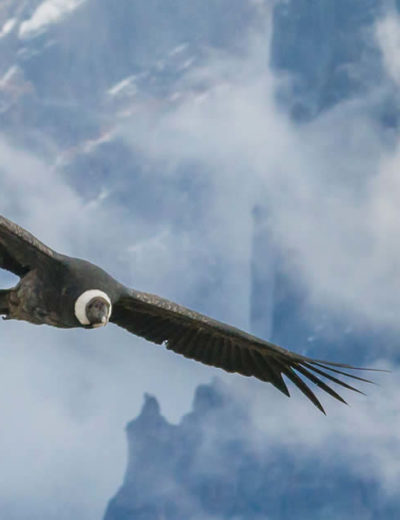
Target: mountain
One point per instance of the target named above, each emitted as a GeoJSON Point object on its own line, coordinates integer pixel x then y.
{"type": "Point", "coordinates": [330, 50]}
{"type": "Point", "coordinates": [62, 74]}
{"type": "Point", "coordinates": [205, 468]}
{"type": "Point", "coordinates": [327, 53]}
{"type": "Point", "coordinates": [81, 83]}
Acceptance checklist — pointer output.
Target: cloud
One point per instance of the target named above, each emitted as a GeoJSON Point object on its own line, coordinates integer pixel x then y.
{"type": "Point", "coordinates": [331, 191]}
{"type": "Point", "coordinates": [214, 152]}
{"type": "Point", "coordinates": [67, 395]}
{"type": "Point", "coordinates": [363, 435]}
{"type": "Point", "coordinates": [287, 446]}
{"type": "Point", "coordinates": [329, 187]}
{"type": "Point", "coordinates": [48, 12]}
{"type": "Point", "coordinates": [388, 37]}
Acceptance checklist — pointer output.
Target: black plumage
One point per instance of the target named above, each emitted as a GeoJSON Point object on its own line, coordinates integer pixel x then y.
{"type": "Point", "coordinates": [68, 292]}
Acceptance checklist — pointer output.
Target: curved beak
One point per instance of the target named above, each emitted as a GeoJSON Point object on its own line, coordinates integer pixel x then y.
{"type": "Point", "coordinates": [103, 322]}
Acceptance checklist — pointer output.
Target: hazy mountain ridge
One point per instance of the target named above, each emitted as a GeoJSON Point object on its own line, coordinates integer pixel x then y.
{"type": "Point", "coordinates": [331, 55]}
{"type": "Point", "coordinates": [204, 468]}
{"type": "Point", "coordinates": [72, 62]}
{"type": "Point", "coordinates": [330, 49]}
{"type": "Point", "coordinates": [65, 89]}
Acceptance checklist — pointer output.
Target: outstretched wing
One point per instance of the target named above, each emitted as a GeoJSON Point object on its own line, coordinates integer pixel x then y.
{"type": "Point", "coordinates": [19, 250]}
{"type": "Point", "coordinates": [214, 343]}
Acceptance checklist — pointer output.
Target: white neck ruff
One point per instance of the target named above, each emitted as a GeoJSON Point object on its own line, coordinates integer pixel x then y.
{"type": "Point", "coordinates": [84, 299]}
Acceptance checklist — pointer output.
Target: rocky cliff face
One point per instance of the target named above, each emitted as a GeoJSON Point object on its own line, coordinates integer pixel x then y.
{"type": "Point", "coordinates": [168, 473]}
{"type": "Point", "coordinates": [69, 77]}
{"type": "Point", "coordinates": [328, 53]}
{"type": "Point", "coordinates": [204, 468]}
{"type": "Point", "coordinates": [73, 71]}
{"type": "Point", "coordinates": [62, 66]}
{"type": "Point", "coordinates": [330, 49]}
{"type": "Point", "coordinates": [57, 60]}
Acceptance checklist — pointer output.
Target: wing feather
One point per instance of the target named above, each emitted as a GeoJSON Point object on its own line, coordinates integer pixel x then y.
{"type": "Point", "coordinates": [20, 251]}
{"type": "Point", "coordinates": [335, 379]}
{"type": "Point", "coordinates": [320, 383]}
{"type": "Point", "coordinates": [214, 343]}
{"type": "Point", "coordinates": [247, 363]}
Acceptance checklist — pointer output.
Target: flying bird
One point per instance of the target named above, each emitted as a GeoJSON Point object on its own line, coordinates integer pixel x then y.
{"type": "Point", "coordinates": [66, 292]}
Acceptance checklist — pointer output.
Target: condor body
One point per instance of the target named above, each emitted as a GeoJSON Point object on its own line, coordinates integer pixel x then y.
{"type": "Point", "coordinates": [66, 292]}
{"type": "Point", "coordinates": [48, 294]}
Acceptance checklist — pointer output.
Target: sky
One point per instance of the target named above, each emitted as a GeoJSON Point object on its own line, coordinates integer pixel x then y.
{"type": "Point", "coordinates": [208, 146]}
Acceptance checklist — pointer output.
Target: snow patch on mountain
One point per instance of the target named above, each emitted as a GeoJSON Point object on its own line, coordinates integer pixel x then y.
{"type": "Point", "coordinates": [122, 86]}
{"type": "Point", "coordinates": [7, 27]}
{"type": "Point", "coordinates": [9, 74]}
{"type": "Point", "coordinates": [48, 12]}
